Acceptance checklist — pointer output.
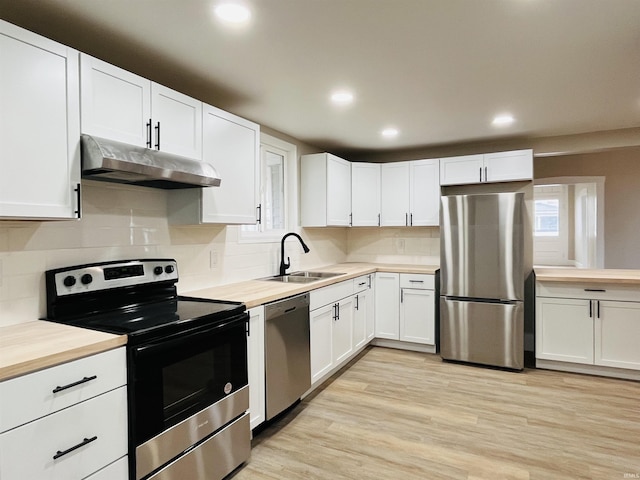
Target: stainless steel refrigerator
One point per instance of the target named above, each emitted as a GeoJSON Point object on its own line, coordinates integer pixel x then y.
{"type": "Point", "coordinates": [482, 279]}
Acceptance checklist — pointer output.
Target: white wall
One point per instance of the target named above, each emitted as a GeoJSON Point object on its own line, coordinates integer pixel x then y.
{"type": "Point", "coordinates": [121, 222]}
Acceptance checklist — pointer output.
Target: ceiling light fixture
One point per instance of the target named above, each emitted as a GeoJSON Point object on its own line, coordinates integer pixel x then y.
{"type": "Point", "coordinates": [232, 13]}
{"type": "Point", "coordinates": [342, 97]}
{"type": "Point", "coordinates": [503, 120]}
{"type": "Point", "coordinates": [389, 132]}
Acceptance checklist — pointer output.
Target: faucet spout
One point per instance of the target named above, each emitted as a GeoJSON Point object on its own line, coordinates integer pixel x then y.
{"type": "Point", "coordinates": [284, 265]}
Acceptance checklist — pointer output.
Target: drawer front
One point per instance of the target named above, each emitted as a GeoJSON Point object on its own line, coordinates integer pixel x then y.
{"type": "Point", "coordinates": [26, 398]}
{"type": "Point", "coordinates": [417, 280]}
{"type": "Point", "coordinates": [28, 451]}
{"type": "Point", "coordinates": [594, 291]}
{"type": "Point", "coordinates": [360, 284]}
{"type": "Point", "coordinates": [118, 470]}
{"type": "Point", "coordinates": [331, 294]}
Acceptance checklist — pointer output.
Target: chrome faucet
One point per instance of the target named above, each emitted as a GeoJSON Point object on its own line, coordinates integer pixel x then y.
{"type": "Point", "coordinates": [283, 265]}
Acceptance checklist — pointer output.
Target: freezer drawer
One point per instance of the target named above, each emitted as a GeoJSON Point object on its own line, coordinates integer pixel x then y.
{"type": "Point", "coordinates": [481, 332]}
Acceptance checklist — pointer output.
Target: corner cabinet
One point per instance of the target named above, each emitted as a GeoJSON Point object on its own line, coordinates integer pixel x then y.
{"type": "Point", "coordinates": [487, 168]}
{"type": "Point", "coordinates": [325, 191]}
{"type": "Point", "coordinates": [255, 362]}
{"type": "Point", "coordinates": [595, 325]}
{"type": "Point", "coordinates": [365, 194]}
{"type": "Point", "coordinates": [119, 105]}
{"type": "Point", "coordinates": [39, 127]}
{"type": "Point", "coordinates": [232, 145]}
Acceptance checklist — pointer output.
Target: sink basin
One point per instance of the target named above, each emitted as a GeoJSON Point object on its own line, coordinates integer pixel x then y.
{"type": "Point", "coordinates": [317, 275]}
{"type": "Point", "coordinates": [291, 279]}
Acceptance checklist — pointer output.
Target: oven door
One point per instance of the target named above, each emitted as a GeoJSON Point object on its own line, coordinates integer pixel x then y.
{"type": "Point", "coordinates": [176, 377]}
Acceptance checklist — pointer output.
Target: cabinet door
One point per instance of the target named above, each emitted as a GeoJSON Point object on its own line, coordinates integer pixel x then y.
{"type": "Point", "coordinates": [617, 334]}
{"type": "Point", "coordinates": [321, 341]}
{"type": "Point", "coordinates": [387, 306]}
{"type": "Point", "coordinates": [394, 194]}
{"type": "Point", "coordinates": [365, 194]}
{"type": "Point", "coordinates": [461, 170]}
{"type": "Point", "coordinates": [114, 103]}
{"type": "Point", "coordinates": [564, 330]}
{"type": "Point", "coordinates": [338, 191]}
{"type": "Point", "coordinates": [360, 319]}
{"type": "Point", "coordinates": [180, 120]}
{"type": "Point", "coordinates": [417, 316]}
{"type": "Point", "coordinates": [231, 144]}
{"type": "Point", "coordinates": [371, 310]}
{"type": "Point", "coordinates": [342, 333]}
{"type": "Point", "coordinates": [508, 166]}
{"type": "Point", "coordinates": [424, 193]}
{"type": "Point", "coordinates": [255, 362]}
{"type": "Point", "coordinates": [39, 126]}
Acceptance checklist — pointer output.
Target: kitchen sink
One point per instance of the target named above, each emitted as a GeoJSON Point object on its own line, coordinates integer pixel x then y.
{"type": "Point", "coordinates": [315, 274]}
{"type": "Point", "coordinates": [290, 279]}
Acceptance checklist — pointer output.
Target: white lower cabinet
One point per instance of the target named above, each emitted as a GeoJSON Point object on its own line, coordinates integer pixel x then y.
{"type": "Point", "coordinates": [255, 362]}
{"type": "Point", "coordinates": [342, 330]}
{"type": "Point", "coordinates": [405, 307]}
{"type": "Point", "coordinates": [321, 325]}
{"type": "Point", "coordinates": [66, 422]}
{"type": "Point", "coordinates": [590, 326]}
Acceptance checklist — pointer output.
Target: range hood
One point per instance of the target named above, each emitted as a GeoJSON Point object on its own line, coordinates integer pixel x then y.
{"type": "Point", "coordinates": [112, 161]}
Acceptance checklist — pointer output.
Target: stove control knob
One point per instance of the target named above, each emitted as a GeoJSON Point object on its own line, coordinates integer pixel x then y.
{"type": "Point", "coordinates": [157, 270]}
{"type": "Point", "coordinates": [169, 269]}
{"type": "Point", "coordinates": [69, 281]}
{"type": "Point", "coordinates": [86, 279]}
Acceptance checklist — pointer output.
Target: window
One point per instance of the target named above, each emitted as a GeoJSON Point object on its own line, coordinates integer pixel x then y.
{"type": "Point", "coordinates": [277, 194]}
{"type": "Point", "coordinates": [547, 218]}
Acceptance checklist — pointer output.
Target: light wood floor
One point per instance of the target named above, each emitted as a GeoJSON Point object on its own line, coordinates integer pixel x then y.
{"type": "Point", "coordinates": [404, 415]}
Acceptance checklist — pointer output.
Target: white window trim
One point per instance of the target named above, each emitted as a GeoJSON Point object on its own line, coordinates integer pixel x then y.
{"type": "Point", "coordinates": [290, 192]}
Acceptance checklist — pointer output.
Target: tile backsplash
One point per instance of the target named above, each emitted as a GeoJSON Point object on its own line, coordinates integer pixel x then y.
{"type": "Point", "coordinates": [415, 245]}
{"type": "Point", "coordinates": [121, 222]}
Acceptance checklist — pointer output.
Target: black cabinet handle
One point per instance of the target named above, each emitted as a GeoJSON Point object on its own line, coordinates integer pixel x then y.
{"type": "Point", "coordinates": [481, 174]}
{"type": "Point", "coordinates": [157, 127]}
{"type": "Point", "coordinates": [259, 208]}
{"type": "Point", "coordinates": [84, 442]}
{"type": "Point", "coordinates": [338, 310]}
{"type": "Point", "coordinates": [378, 219]}
{"type": "Point", "coordinates": [357, 302]}
{"type": "Point", "coordinates": [411, 220]}
{"type": "Point", "coordinates": [362, 284]}
{"type": "Point", "coordinates": [335, 312]}
{"type": "Point", "coordinates": [406, 219]}
{"type": "Point", "coordinates": [149, 134]}
{"type": "Point", "coordinates": [351, 219]}
{"type": "Point", "coordinates": [594, 290]}
{"type": "Point", "coordinates": [78, 210]}
{"type": "Point", "coordinates": [79, 382]}
{"type": "Point", "coordinates": [590, 308]}
{"type": "Point", "coordinates": [486, 179]}
{"type": "Point", "coordinates": [416, 281]}
{"type": "Point", "coordinates": [598, 312]}
{"type": "Point", "coordinates": [289, 309]}
{"type": "Point", "coordinates": [402, 295]}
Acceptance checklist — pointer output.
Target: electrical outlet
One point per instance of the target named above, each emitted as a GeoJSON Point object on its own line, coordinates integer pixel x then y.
{"type": "Point", "coordinates": [213, 258]}
{"type": "Point", "coordinates": [400, 245]}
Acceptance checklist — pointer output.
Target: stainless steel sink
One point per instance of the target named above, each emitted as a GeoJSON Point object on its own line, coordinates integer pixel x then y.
{"type": "Point", "coordinates": [290, 279]}
{"type": "Point", "coordinates": [318, 275]}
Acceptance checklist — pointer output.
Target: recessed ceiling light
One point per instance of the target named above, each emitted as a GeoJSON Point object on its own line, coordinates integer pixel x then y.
{"type": "Point", "coordinates": [342, 97]}
{"type": "Point", "coordinates": [503, 120]}
{"type": "Point", "coordinates": [389, 132]}
{"type": "Point", "coordinates": [232, 12]}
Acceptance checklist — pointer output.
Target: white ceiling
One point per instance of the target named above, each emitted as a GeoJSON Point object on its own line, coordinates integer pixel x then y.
{"type": "Point", "coordinates": [438, 70]}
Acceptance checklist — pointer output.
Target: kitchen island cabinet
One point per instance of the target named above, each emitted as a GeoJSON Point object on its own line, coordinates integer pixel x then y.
{"type": "Point", "coordinates": [39, 127]}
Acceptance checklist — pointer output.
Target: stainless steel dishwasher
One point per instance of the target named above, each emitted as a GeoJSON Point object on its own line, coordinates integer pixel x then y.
{"type": "Point", "coordinates": [287, 355]}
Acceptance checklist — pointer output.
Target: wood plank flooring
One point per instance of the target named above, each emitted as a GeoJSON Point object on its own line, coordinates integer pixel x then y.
{"type": "Point", "coordinates": [395, 414]}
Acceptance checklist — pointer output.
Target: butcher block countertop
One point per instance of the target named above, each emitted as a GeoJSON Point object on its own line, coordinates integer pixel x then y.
{"type": "Point", "coordinates": [27, 347]}
{"type": "Point", "coordinates": [580, 275]}
{"type": "Point", "coordinates": [258, 292]}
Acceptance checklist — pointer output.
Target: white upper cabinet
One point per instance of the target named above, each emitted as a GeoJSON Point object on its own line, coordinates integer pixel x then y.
{"type": "Point", "coordinates": [116, 104]}
{"type": "Point", "coordinates": [119, 105]}
{"type": "Point", "coordinates": [490, 167]}
{"type": "Point", "coordinates": [177, 122]}
{"type": "Point", "coordinates": [424, 193]}
{"type": "Point", "coordinates": [232, 145]}
{"type": "Point", "coordinates": [39, 127]}
{"type": "Point", "coordinates": [365, 194]}
{"type": "Point", "coordinates": [410, 193]}
{"type": "Point", "coordinates": [394, 196]}
{"type": "Point", "coordinates": [325, 189]}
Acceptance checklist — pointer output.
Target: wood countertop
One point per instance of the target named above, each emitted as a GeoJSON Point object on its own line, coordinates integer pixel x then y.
{"type": "Point", "coordinates": [27, 347]}
{"type": "Point", "coordinates": [580, 275]}
{"type": "Point", "coordinates": [258, 292]}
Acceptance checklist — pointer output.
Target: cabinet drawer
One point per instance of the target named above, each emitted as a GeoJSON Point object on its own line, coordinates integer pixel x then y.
{"type": "Point", "coordinates": [28, 451]}
{"type": "Point", "coordinates": [331, 294]}
{"type": "Point", "coordinates": [360, 284]}
{"type": "Point", "coordinates": [26, 398]}
{"type": "Point", "coordinates": [118, 470]}
{"type": "Point", "coordinates": [417, 280]}
{"type": "Point", "coordinates": [588, 291]}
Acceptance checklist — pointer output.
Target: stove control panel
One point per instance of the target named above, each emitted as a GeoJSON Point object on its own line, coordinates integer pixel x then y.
{"type": "Point", "coordinates": [106, 275]}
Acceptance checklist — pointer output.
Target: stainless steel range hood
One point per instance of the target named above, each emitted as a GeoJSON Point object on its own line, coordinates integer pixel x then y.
{"type": "Point", "coordinates": [112, 161]}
